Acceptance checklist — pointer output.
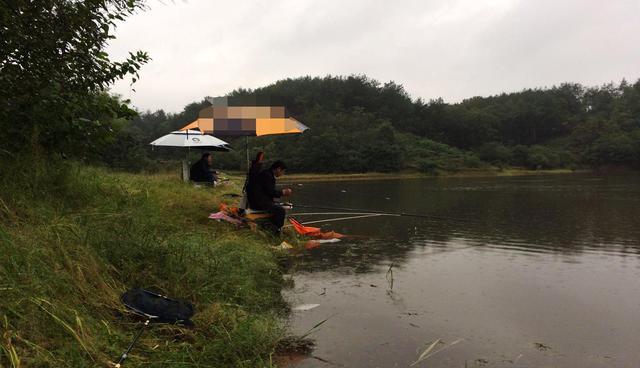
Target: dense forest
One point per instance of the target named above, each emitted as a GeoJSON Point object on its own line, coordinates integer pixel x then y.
{"type": "Point", "coordinates": [54, 102]}
{"type": "Point", "coordinates": [358, 125]}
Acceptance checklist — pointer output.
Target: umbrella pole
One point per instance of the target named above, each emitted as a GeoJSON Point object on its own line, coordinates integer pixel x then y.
{"type": "Point", "coordinates": [185, 166]}
{"type": "Point", "coordinates": [247, 149]}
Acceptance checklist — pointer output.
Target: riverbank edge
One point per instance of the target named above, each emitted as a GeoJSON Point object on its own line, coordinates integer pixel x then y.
{"type": "Point", "coordinates": [92, 233]}
{"type": "Point", "coordinates": [412, 175]}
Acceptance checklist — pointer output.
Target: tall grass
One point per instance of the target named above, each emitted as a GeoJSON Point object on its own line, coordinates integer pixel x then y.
{"type": "Point", "coordinates": [73, 238]}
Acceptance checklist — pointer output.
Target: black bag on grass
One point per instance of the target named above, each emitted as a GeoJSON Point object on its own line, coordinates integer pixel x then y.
{"type": "Point", "coordinates": [157, 307]}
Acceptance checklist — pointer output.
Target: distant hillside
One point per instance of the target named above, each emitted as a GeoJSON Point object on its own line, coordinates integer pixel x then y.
{"type": "Point", "coordinates": [358, 124]}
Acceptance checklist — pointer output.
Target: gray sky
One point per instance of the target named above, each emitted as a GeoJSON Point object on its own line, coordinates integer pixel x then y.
{"type": "Point", "coordinates": [452, 49]}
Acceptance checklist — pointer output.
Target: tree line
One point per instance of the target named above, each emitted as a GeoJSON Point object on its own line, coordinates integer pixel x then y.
{"type": "Point", "coordinates": [359, 124]}
{"type": "Point", "coordinates": [55, 102]}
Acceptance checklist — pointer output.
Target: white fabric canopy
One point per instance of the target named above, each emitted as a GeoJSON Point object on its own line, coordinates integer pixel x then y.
{"type": "Point", "coordinates": [192, 139]}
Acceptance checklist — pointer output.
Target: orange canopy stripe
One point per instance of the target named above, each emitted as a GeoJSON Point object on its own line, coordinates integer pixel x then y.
{"type": "Point", "coordinates": [263, 126]}
{"type": "Point", "coordinates": [203, 125]}
{"type": "Point", "coordinates": [245, 121]}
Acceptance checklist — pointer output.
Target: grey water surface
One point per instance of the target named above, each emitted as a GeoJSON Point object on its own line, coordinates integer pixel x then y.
{"type": "Point", "coordinates": [540, 271]}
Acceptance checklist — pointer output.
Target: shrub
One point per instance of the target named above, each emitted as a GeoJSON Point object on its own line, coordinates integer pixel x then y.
{"type": "Point", "coordinates": [494, 152]}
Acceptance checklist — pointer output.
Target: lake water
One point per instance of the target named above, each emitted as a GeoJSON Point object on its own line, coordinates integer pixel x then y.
{"type": "Point", "coordinates": [540, 271]}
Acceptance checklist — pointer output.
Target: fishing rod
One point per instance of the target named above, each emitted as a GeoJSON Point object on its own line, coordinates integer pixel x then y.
{"type": "Point", "coordinates": [401, 214]}
{"type": "Point", "coordinates": [347, 218]}
{"type": "Point", "coordinates": [332, 213]}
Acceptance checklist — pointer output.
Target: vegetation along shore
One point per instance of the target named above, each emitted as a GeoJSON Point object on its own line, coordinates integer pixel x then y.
{"type": "Point", "coordinates": [74, 238]}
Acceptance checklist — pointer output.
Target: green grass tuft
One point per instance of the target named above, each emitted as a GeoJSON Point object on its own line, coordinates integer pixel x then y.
{"type": "Point", "coordinates": [73, 238]}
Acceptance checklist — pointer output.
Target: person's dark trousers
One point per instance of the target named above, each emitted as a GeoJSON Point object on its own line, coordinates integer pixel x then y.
{"type": "Point", "coordinates": [278, 214]}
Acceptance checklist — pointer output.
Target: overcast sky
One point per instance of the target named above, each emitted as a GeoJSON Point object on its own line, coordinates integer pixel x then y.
{"type": "Point", "coordinates": [452, 49]}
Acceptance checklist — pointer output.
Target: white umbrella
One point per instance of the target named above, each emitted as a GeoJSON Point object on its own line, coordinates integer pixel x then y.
{"type": "Point", "coordinates": [190, 139]}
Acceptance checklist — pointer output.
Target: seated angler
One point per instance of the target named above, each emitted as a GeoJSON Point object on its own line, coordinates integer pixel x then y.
{"type": "Point", "coordinates": [262, 191]}
{"type": "Point", "coordinates": [252, 175]}
{"type": "Point", "coordinates": [202, 170]}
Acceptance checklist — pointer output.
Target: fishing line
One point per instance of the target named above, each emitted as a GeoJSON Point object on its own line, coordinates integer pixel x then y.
{"type": "Point", "coordinates": [353, 193]}
{"type": "Point", "coordinates": [360, 215]}
{"type": "Point", "coordinates": [329, 213]}
{"type": "Point", "coordinates": [402, 214]}
{"type": "Point", "coordinates": [347, 218]}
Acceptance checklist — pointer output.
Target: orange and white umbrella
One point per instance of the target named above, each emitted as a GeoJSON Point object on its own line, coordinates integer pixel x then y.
{"type": "Point", "coordinates": [238, 121]}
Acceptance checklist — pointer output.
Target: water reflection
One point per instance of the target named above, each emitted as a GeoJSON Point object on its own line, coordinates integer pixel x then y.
{"type": "Point", "coordinates": [504, 264]}
{"type": "Point", "coordinates": [560, 214]}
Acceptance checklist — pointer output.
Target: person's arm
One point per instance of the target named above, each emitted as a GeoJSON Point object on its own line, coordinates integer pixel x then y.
{"type": "Point", "coordinates": [269, 186]}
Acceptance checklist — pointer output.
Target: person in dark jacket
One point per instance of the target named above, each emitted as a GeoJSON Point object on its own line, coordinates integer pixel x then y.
{"type": "Point", "coordinates": [254, 171]}
{"type": "Point", "coordinates": [262, 191]}
{"type": "Point", "coordinates": [252, 175]}
{"type": "Point", "coordinates": [202, 170]}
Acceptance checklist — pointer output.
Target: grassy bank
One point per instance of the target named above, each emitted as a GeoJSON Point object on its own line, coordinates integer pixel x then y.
{"type": "Point", "coordinates": [74, 238]}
